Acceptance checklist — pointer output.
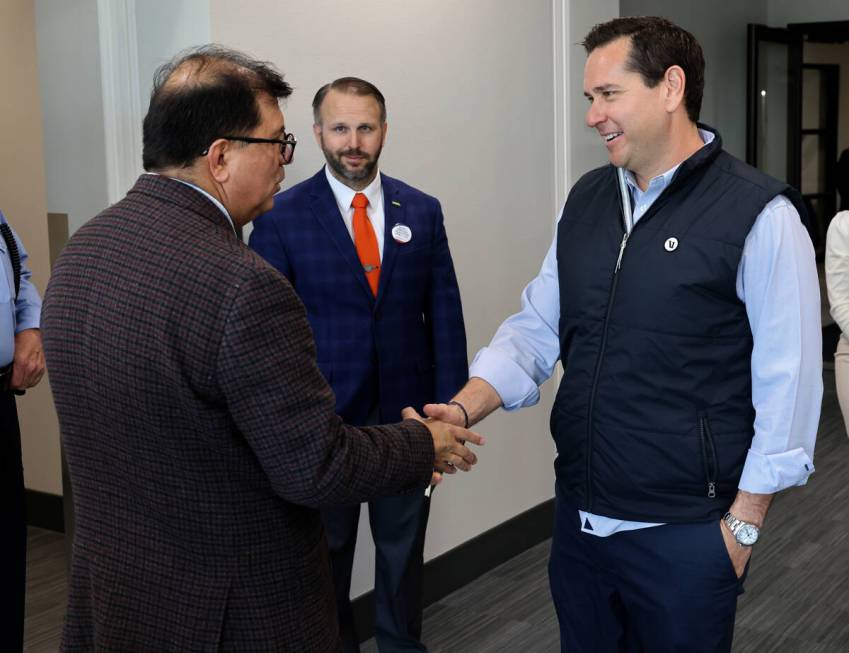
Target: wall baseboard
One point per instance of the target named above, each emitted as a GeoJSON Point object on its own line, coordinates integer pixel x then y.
{"type": "Point", "coordinates": [45, 510]}
{"type": "Point", "coordinates": [463, 564]}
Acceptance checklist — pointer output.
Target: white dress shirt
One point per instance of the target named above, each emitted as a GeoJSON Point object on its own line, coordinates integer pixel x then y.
{"type": "Point", "coordinates": [374, 194]}
{"type": "Point", "coordinates": [777, 281]}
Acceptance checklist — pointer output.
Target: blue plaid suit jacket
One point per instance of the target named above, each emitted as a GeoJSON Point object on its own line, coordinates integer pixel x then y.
{"type": "Point", "coordinates": [405, 347]}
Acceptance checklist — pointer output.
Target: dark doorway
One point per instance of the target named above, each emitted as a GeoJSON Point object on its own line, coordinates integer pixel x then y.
{"type": "Point", "coordinates": [794, 111]}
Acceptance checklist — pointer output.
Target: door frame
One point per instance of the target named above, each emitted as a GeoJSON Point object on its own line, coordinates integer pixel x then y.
{"type": "Point", "coordinates": [793, 39]}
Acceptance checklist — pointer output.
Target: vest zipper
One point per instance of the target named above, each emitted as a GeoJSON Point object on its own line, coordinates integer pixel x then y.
{"type": "Point", "coordinates": [591, 406]}
{"type": "Point", "coordinates": [621, 252]}
{"type": "Point", "coordinates": [708, 455]}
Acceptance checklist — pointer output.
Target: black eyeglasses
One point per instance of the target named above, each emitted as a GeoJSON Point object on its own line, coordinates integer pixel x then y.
{"type": "Point", "coordinates": [287, 145]}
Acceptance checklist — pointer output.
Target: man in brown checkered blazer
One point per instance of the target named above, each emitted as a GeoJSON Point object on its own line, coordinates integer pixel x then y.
{"type": "Point", "coordinates": [200, 435]}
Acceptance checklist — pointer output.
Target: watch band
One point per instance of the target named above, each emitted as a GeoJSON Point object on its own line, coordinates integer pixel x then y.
{"type": "Point", "coordinates": [732, 522]}
{"type": "Point", "coordinates": [745, 533]}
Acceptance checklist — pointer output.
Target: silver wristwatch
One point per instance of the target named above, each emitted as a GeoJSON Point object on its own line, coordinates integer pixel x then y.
{"type": "Point", "coordinates": [745, 533]}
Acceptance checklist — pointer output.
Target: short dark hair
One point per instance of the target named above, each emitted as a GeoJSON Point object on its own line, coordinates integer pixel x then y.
{"type": "Point", "coordinates": [202, 94]}
{"type": "Point", "coordinates": [657, 44]}
{"type": "Point", "coordinates": [353, 85]}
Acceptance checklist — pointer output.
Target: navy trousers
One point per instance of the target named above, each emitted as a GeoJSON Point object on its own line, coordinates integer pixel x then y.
{"type": "Point", "coordinates": [14, 526]}
{"type": "Point", "coordinates": [398, 525]}
{"type": "Point", "coordinates": [659, 590]}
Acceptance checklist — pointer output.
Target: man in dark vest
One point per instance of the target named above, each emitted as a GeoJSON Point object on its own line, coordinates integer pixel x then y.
{"type": "Point", "coordinates": [681, 296]}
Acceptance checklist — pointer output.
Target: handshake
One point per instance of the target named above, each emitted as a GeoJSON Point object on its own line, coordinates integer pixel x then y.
{"type": "Point", "coordinates": [446, 423]}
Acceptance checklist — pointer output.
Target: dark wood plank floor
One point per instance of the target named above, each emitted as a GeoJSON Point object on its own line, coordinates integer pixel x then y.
{"type": "Point", "coordinates": [797, 592]}
{"type": "Point", "coordinates": [46, 590]}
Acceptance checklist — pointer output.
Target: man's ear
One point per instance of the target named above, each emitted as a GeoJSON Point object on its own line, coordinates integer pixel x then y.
{"type": "Point", "coordinates": [217, 159]}
{"type": "Point", "coordinates": [674, 83]}
{"type": "Point", "coordinates": [316, 132]}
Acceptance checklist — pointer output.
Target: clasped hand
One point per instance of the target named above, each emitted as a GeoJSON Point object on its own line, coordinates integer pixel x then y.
{"type": "Point", "coordinates": [449, 445]}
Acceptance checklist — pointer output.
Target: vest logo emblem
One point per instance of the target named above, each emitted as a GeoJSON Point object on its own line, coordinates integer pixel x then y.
{"type": "Point", "coordinates": [671, 244]}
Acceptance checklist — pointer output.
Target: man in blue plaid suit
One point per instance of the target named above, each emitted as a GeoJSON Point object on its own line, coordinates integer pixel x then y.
{"type": "Point", "coordinates": [404, 345]}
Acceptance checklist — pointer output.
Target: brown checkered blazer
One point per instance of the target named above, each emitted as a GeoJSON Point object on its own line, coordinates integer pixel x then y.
{"type": "Point", "coordinates": [200, 437]}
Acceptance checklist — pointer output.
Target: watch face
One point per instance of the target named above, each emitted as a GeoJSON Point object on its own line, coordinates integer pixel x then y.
{"type": "Point", "coordinates": [747, 535]}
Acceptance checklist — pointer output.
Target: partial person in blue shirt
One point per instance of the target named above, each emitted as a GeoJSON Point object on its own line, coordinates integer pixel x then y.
{"type": "Point", "coordinates": [21, 367]}
{"type": "Point", "coordinates": [681, 296]}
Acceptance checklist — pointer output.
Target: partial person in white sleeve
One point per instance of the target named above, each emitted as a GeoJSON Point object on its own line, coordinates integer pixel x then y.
{"type": "Point", "coordinates": [837, 284]}
{"type": "Point", "coordinates": [681, 295]}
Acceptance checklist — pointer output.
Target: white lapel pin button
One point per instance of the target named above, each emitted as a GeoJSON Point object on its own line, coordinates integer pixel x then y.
{"type": "Point", "coordinates": [402, 233]}
{"type": "Point", "coordinates": [671, 244]}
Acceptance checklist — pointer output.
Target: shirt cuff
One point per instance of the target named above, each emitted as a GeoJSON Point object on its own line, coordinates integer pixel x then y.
{"type": "Point", "coordinates": [511, 382]}
{"type": "Point", "coordinates": [27, 309]}
{"type": "Point", "coordinates": [27, 318]}
{"type": "Point", "coordinates": [770, 473]}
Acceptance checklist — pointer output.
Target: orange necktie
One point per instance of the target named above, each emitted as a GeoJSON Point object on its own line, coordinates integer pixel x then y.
{"type": "Point", "coordinates": [366, 242]}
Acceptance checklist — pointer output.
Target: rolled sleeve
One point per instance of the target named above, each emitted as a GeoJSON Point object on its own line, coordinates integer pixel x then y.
{"type": "Point", "coordinates": [512, 383]}
{"type": "Point", "coordinates": [768, 473]}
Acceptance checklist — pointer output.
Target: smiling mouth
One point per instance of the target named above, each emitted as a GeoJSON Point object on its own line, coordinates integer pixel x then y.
{"type": "Point", "coordinates": [611, 136]}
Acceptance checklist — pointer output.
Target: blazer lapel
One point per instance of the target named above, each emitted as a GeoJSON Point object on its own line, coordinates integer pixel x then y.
{"type": "Point", "coordinates": [393, 213]}
{"type": "Point", "coordinates": [326, 211]}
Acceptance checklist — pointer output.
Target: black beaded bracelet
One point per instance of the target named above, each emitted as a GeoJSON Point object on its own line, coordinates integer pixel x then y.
{"type": "Point", "coordinates": [463, 408]}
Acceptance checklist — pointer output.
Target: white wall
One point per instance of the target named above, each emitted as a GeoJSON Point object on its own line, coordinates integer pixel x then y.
{"type": "Point", "coordinates": [720, 27]}
{"type": "Point", "coordinates": [471, 101]}
{"type": "Point", "coordinates": [164, 28]}
{"type": "Point", "coordinates": [72, 108]}
{"type": "Point", "coordinates": [782, 12]}
{"type": "Point", "coordinates": [71, 82]}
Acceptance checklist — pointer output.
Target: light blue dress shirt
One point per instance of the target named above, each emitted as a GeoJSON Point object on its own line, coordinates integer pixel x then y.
{"type": "Point", "coordinates": [15, 314]}
{"type": "Point", "coordinates": [776, 280]}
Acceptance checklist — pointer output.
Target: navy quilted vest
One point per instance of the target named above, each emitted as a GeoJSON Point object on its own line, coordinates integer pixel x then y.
{"type": "Point", "coordinates": [653, 418]}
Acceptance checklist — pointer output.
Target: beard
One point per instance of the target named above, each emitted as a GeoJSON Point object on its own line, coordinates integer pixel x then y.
{"type": "Point", "coordinates": [334, 160]}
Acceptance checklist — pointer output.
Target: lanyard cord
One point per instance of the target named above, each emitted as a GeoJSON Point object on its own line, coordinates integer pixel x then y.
{"type": "Point", "coordinates": [14, 255]}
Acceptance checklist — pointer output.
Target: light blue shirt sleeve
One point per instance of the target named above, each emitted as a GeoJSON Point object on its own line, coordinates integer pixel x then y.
{"type": "Point", "coordinates": [777, 280]}
{"type": "Point", "coordinates": [15, 314]}
{"type": "Point", "coordinates": [28, 304]}
{"type": "Point", "coordinates": [526, 347]}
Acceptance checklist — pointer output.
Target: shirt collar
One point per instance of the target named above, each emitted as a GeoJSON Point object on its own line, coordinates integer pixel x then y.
{"type": "Point", "coordinates": [663, 180]}
{"type": "Point", "coordinates": [202, 192]}
{"type": "Point", "coordinates": [345, 195]}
